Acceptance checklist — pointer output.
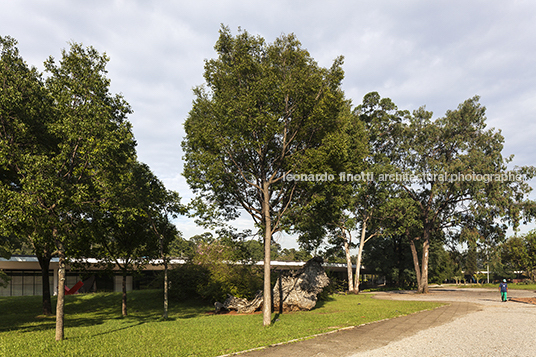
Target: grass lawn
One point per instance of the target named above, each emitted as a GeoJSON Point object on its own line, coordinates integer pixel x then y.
{"type": "Point", "coordinates": [94, 326]}
{"type": "Point", "coordinates": [496, 286]}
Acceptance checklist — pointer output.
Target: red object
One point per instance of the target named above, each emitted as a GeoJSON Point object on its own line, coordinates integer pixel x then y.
{"type": "Point", "coordinates": [74, 289]}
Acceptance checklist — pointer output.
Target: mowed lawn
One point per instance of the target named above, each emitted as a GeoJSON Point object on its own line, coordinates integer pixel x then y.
{"type": "Point", "coordinates": [94, 326]}
{"type": "Point", "coordinates": [519, 286]}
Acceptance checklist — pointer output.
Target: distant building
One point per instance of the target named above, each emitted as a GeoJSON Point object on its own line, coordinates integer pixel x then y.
{"type": "Point", "coordinates": [26, 278]}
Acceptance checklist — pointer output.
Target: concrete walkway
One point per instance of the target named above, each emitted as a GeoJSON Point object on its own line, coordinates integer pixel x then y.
{"type": "Point", "coordinates": [378, 335]}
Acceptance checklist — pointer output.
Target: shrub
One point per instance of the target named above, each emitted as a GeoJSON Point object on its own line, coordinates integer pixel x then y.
{"type": "Point", "coordinates": [212, 273]}
{"type": "Point", "coordinates": [185, 281]}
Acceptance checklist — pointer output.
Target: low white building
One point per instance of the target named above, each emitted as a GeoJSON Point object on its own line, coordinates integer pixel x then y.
{"type": "Point", "coordinates": [26, 277]}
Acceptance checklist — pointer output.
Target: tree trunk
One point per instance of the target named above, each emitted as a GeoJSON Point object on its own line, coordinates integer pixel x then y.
{"type": "Point", "coordinates": [124, 297]}
{"type": "Point", "coordinates": [61, 295]}
{"type": "Point", "coordinates": [415, 256]}
{"type": "Point", "coordinates": [422, 271]}
{"type": "Point", "coordinates": [359, 257]}
{"type": "Point", "coordinates": [267, 295]}
{"type": "Point", "coordinates": [44, 263]}
{"type": "Point", "coordinates": [165, 289]}
{"type": "Point", "coordinates": [425, 258]}
{"type": "Point", "coordinates": [348, 264]}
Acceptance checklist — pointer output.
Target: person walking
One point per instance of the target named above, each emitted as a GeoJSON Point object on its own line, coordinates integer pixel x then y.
{"type": "Point", "coordinates": [503, 287]}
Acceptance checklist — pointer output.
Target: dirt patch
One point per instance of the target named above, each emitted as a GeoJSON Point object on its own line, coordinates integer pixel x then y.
{"type": "Point", "coordinates": [531, 300]}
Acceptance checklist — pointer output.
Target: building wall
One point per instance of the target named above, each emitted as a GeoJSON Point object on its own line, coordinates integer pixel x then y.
{"type": "Point", "coordinates": [25, 282]}
{"type": "Point", "coordinates": [29, 282]}
{"type": "Point", "coordinates": [118, 283]}
{"type": "Point", "coordinates": [26, 274]}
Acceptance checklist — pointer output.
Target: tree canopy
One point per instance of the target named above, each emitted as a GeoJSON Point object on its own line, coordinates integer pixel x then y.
{"type": "Point", "coordinates": [454, 171]}
{"type": "Point", "coordinates": [65, 145]}
{"type": "Point", "coordinates": [264, 106]}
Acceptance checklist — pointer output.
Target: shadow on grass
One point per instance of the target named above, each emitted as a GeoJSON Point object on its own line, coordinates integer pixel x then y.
{"type": "Point", "coordinates": [325, 300]}
{"type": "Point", "coordinates": [22, 313]}
{"type": "Point", "coordinates": [117, 329]}
{"type": "Point", "coordinates": [275, 318]}
{"type": "Point", "coordinates": [319, 305]}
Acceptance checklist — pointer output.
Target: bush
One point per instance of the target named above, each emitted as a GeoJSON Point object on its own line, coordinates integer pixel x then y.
{"type": "Point", "coordinates": [242, 281]}
{"type": "Point", "coordinates": [212, 274]}
{"type": "Point", "coordinates": [185, 280]}
{"type": "Point", "coordinates": [336, 285]}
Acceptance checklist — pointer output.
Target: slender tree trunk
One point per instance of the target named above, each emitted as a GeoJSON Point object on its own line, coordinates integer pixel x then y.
{"type": "Point", "coordinates": [166, 287]}
{"type": "Point", "coordinates": [348, 264]}
{"type": "Point", "coordinates": [165, 261]}
{"type": "Point", "coordinates": [60, 315]}
{"type": "Point", "coordinates": [415, 256]}
{"type": "Point", "coordinates": [400, 262]}
{"type": "Point", "coordinates": [44, 263]}
{"type": "Point", "coordinates": [124, 297]}
{"type": "Point", "coordinates": [359, 257]}
{"type": "Point", "coordinates": [267, 294]}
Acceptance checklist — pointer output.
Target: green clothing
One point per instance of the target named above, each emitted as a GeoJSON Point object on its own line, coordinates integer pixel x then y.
{"type": "Point", "coordinates": [503, 295]}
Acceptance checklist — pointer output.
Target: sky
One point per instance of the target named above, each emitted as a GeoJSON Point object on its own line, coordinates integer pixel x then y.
{"type": "Point", "coordinates": [435, 53]}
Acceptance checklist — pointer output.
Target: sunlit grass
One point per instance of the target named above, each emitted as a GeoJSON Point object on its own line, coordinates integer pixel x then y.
{"type": "Point", "coordinates": [520, 286]}
{"type": "Point", "coordinates": [94, 326]}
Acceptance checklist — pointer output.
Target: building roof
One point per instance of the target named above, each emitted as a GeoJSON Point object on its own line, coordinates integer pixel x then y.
{"type": "Point", "coordinates": [31, 262]}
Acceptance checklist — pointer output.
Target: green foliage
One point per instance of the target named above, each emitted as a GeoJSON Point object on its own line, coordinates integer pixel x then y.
{"type": "Point", "coordinates": [124, 234]}
{"type": "Point", "coordinates": [181, 247]}
{"type": "Point", "coordinates": [62, 137]}
{"type": "Point", "coordinates": [322, 210]}
{"type": "Point", "coordinates": [519, 254]}
{"type": "Point", "coordinates": [68, 172]}
{"type": "Point", "coordinates": [187, 280]}
{"type": "Point", "coordinates": [442, 267]}
{"type": "Point", "coordinates": [434, 154]}
{"type": "Point", "coordinates": [294, 255]}
{"type": "Point", "coordinates": [215, 270]}
{"type": "Point", "coordinates": [263, 107]}
{"type": "Point", "coordinates": [25, 111]}
{"type": "Point", "coordinates": [390, 256]}
{"type": "Point", "coordinates": [336, 285]}
{"type": "Point", "coordinates": [5, 252]}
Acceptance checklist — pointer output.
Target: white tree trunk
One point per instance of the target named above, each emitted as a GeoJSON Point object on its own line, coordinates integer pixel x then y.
{"type": "Point", "coordinates": [348, 264]}
{"type": "Point", "coordinates": [360, 256]}
{"type": "Point", "coordinates": [267, 286]}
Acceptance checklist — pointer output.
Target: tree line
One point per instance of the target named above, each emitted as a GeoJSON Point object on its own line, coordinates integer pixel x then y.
{"type": "Point", "coordinates": [72, 186]}
{"type": "Point", "coordinates": [268, 111]}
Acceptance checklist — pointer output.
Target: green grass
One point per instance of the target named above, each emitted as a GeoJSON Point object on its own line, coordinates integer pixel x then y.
{"type": "Point", "coordinates": [94, 326]}
{"type": "Point", "coordinates": [520, 286]}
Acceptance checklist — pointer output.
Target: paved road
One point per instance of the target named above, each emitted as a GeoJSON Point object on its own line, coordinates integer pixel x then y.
{"type": "Point", "coordinates": [497, 329]}
{"type": "Point", "coordinates": [468, 326]}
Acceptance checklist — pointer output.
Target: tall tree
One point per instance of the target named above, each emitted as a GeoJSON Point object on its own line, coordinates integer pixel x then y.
{"type": "Point", "coordinates": [265, 107]}
{"type": "Point", "coordinates": [25, 111]}
{"type": "Point", "coordinates": [325, 209]}
{"type": "Point", "coordinates": [95, 141]}
{"type": "Point", "coordinates": [129, 225]}
{"type": "Point", "coordinates": [453, 168]}
{"type": "Point", "coordinates": [519, 253]}
{"type": "Point", "coordinates": [167, 207]}
{"type": "Point", "coordinates": [84, 137]}
{"type": "Point", "coordinates": [376, 204]}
